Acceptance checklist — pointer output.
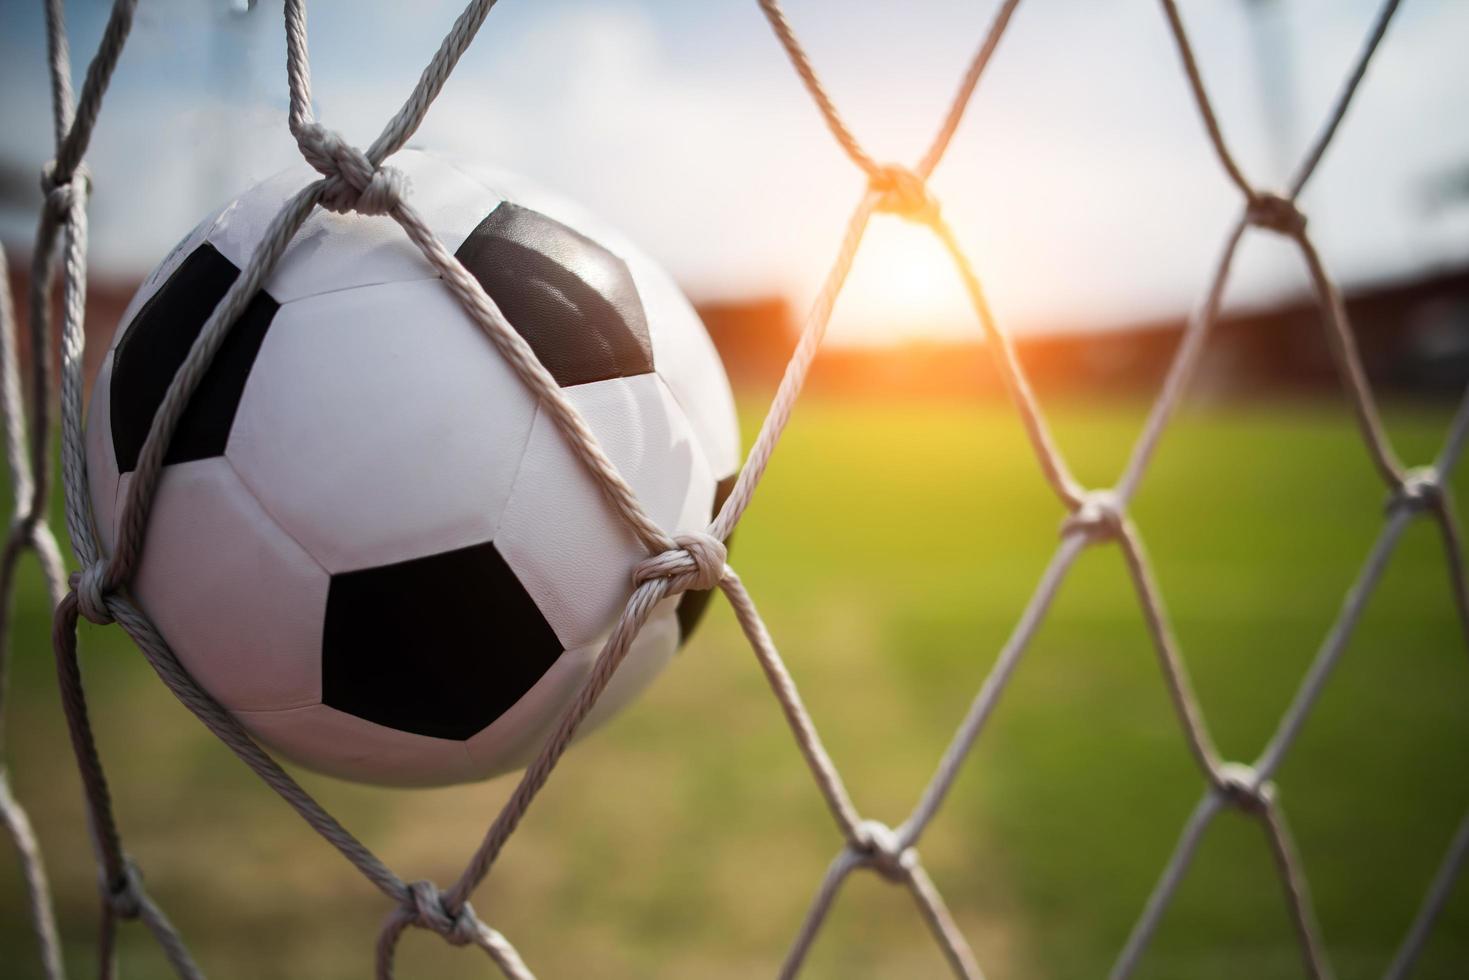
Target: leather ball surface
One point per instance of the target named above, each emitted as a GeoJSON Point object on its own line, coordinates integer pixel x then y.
{"type": "Point", "coordinates": [368, 542]}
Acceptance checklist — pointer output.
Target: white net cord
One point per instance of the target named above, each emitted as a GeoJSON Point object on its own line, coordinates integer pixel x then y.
{"type": "Point", "coordinates": [364, 181]}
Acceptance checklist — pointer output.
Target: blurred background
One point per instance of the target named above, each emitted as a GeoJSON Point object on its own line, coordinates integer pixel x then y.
{"type": "Point", "coordinates": [903, 523]}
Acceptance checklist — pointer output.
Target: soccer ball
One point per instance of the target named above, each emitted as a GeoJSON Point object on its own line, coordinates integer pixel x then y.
{"type": "Point", "coordinates": [368, 543]}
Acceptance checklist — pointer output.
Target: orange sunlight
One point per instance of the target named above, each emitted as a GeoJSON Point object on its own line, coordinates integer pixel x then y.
{"type": "Point", "coordinates": [903, 286]}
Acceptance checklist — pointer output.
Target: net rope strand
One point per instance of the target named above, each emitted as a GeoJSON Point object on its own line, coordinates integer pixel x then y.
{"type": "Point", "coordinates": [28, 531]}
{"type": "Point", "coordinates": [362, 181]}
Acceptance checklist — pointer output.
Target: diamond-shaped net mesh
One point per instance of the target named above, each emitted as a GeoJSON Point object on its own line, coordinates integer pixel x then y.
{"type": "Point", "coordinates": [362, 181]}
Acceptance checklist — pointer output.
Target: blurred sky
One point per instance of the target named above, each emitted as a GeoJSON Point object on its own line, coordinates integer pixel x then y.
{"type": "Point", "coordinates": [1081, 181]}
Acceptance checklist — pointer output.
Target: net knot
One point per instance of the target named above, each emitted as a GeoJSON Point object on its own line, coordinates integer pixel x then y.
{"type": "Point", "coordinates": [90, 586]}
{"type": "Point", "coordinates": [1243, 787]}
{"type": "Point", "coordinates": [1098, 515]}
{"type": "Point", "coordinates": [904, 193]}
{"type": "Point", "coordinates": [1277, 213]}
{"type": "Point", "coordinates": [1420, 490]}
{"type": "Point", "coordinates": [697, 563]}
{"type": "Point", "coordinates": [352, 182]}
{"type": "Point", "coordinates": [124, 895]}
{"type": "Point", "coordinates": [62, 191]}
{"type": "Point", "coordinates": [425, 905]}
{"type": "Point", "coordinates": [883, 851]}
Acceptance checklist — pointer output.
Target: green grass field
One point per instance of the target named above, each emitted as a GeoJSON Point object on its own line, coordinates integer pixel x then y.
{"type": "Point", "coordinates": [891, 550]}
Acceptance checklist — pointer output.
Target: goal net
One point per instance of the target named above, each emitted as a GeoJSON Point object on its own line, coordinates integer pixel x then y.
{"type": "Point", "coordinates": [363, 180]}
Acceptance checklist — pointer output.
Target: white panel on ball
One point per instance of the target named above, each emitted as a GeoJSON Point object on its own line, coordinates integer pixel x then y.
{"type": "Point", "coordinates": [108, 533]}
{"type": "Point", "coordinates": [380, 424]}
{"type": "Point", "coordinates": [685, 358]}
{"type": "Point", "coordinates": [566, 544]}
{"type": "Point", "coordinates": [338, 744]}
{"type": "Point", "coordinates": [102, 475]}
{"type": "Point", "coordinates": [338, 251]}
{"type": "Point", "coordinates": [238, 600]}
{"type": "Point", "coordinates": [650, 653]}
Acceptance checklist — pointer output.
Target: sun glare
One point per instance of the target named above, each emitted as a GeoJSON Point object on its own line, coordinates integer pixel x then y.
{"type": "Point", "coordinates": [903, 286]}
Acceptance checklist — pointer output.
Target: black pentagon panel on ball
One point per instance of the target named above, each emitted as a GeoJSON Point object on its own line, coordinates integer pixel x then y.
{"type": "Point", "coordinates": [399, 649]}
{"type": "Point", "coordinates": [156, 343]}
{"type": "Point", "coordinates": [691, 605]}
{"type": "Point", "coordinates": [573, 301]}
